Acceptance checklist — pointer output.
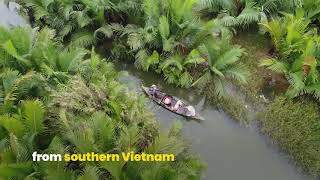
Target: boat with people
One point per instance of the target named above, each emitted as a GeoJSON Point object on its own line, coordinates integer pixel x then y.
{"type": "Point", "coordinates": [171, 103]}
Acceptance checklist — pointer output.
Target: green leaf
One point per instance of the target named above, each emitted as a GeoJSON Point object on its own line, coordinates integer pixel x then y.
{"type": "Point", "coordinates": [194, 57]}
{"type": "Point", "coordinates": [12, 125]}
{"type": "Point", "coordinates": [175, 61]}
{"type": "Point", "coordinates": [33, 112]}
{"type": "Point", "coordinates": [185, 79]}
{"type": "Point", "coordinates": [275, 65]}
{"type": "Point", "coordinates": [229, 57]}
{"type": "Point", "coordinates": [135, 41]}
{"type": "Point", "coordinates": [70, 59]}
{"type": "Point", "coordinates": [164, 28]}
{"type": "Point", "coordinates": [169, 44]}
{"type": "Point", "coordinates": [216, 71]}
{"type": "Point", "coordinates": [90, 173]}
{"type": "Point", "coordinates": [17, 170]}
{"type": "Point", "coordinates": [106, 30]}
{"type": "Point", "coordinates": [114, 168]}
{"type": "Point", "coordinates": [150, 60]}
{"type": "Point", "coordinates": [10, 49]}
{"type": "Point", "coordinates": [82, 39]}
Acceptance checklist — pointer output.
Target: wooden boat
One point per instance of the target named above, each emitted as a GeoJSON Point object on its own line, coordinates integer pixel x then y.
{"type": "Point", "coordinates": [181, 110]}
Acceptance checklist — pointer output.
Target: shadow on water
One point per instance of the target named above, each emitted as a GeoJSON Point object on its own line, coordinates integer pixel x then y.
{"type": "Point", "coordinates": [230, 150]}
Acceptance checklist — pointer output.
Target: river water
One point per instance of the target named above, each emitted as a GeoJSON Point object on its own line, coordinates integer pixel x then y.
{"type": "Point", "coordinates": [9, 16]}
{"type": "Point", "coordinates": [230, 151]}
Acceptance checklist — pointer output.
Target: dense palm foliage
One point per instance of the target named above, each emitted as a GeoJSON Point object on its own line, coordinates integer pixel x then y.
{"type": "Point", "coordinates": [80, 23]}
{"type": "Point", "coordinates": [188, 42]}
{"type": "Point", "coordinates": [165, 36]}
{"type": "Point", "coordinates": [223, 65]}
{"type": "Point", "coordinates": [242, 13]}
{"type": "Point", "coordinates": [43, 88]}
{"type": "Point", "coordinates": [168, 39]}
{"type": "Point", "coordinates": [297, 51]}
{"type": "Point", "coordinates": [173, 41]}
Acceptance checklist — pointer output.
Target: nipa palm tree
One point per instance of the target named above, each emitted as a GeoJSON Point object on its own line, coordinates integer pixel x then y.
{"type": "Point", "coordinates": [223, 65]}
{"type": "Point", "coordinates": [21, 131]}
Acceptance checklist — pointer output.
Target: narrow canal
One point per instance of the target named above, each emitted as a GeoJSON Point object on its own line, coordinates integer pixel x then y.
{"type": "Point", "coordinates": [230, 151]}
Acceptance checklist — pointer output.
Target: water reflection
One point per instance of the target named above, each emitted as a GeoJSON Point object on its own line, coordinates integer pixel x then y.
{"type": "Point", "coordinates": [231, 151]}
{"type": "Point", "coordinates": [9, 16]}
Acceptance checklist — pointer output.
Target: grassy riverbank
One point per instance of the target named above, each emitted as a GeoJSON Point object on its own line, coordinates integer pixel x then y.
{"type": "Point", "coordinates": [295, 126]}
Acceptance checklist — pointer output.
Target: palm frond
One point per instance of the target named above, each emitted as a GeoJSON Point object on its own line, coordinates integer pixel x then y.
{"type": "Point", "coordinates": [275, 65]}
{"type": "Point", "coordinates": [164, 27]}
{"type": "Point", "coordinates": [174, 61]}
{"type": "Point", "coordinates": [70, 59]}
{"type": "Point", "coordinates": [148, 61]}
{"type": "Point", "coordinates": [16, 170]}
{"type": "Point", "coordinates": [194, 58]}
{"type": "Point", "coordinates": [238, 73]}
{"type": "Point", "coordinates": [185, 79]}
{"type": "Point", "coordinates": [106, 30]}
{"type": "Point", "coordinates": [249, 15]}
{"type": "Point", "coordinates": [12, 125]}
{"type": "Point", "coordinates": [231, 56]}
{"type": "Point", "coordinates": [90, 173]}
{"type": "Point", "coordinates": [296, 84]}
{"type": "Point", "coordinates": [82, 39]}
{"type": "Point", "coordinates": [33, 112]}
{"type": "Point", "coordinates": [40, 7]}
{"type": "Point", "coordinates": [135, 41]}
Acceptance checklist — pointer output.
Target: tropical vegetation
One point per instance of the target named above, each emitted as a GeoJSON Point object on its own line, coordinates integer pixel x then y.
{"type": "Point", "coordinates": [43, 88]}
{"type": "Point", "coordinates": [190, 43]}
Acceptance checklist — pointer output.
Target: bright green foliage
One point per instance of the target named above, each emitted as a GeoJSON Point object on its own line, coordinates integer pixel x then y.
{"type": "Point", "coordinates": [166, 26]}
{"type": "Point", "coordinates": [41, 53]}
{"type": "Point", "coordinates": [12, 125]}
{"type": "Point", "coordinates": [33, 113]}
{"type": "Point", "coordinates": [30, 121]}
{"type": "Point", "coordinates": [56, 101]}
{"type": "Point", "coordinates": [223, 65]}
{"type": "Point", "coordinates": [242, 13]}
{"type": "Point", "coordinates": [76, 18]}
{"type": "Point", "coordinates": [80, 23]}
{"type": "Point", "coordinates": [171, 39]}
{"type": "Point", "coordinates": [298, 52]}
{"type": "Point", "coordinates": [294, 125]}
{"type": "Point", "coordinates": [312, 9]}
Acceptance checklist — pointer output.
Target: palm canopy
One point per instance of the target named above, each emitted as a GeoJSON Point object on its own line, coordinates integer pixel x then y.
{"type": "Point", "coordinates": [36, 51]}
{"type": "Point", "coordinates": [223, 64]}
{"type": "Point", "coordinates": [242, 13]}
{"type": "Point", "coordinates": [297, 52]}
{"type": "Point", "coordinates": [170, 38]}
{"type": "Point", "coordinates": [109, 121]}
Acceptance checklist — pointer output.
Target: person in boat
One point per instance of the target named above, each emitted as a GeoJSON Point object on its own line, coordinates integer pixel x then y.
{"type": "Point", "coordinates": [190, 111]}
{"type": "Point", "coordinates": [167, 100]}
{"type": "Point", "coordinates": [177, 105]}
{"type": "Point", "coordinates": [154, 91]}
